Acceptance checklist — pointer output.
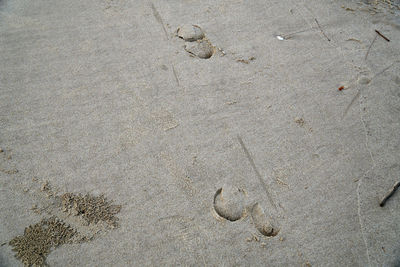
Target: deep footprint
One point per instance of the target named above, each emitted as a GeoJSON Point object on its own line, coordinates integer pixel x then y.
{"type": "Point", "coordinates": [262, 223]}
{"type": "Point", "coordinates": [229, 203]}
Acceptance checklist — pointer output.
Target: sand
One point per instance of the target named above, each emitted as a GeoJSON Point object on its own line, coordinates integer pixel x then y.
{"type": "Point", "coordinates": [270, 141]}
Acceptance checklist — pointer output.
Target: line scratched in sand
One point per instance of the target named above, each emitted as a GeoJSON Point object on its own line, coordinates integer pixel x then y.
{"type": "Point", "coordinates": [176, 76]}
{"type": "Point", "coordinates": [256, 171]}
{"type": "Point", "coordinates": [159, 19]}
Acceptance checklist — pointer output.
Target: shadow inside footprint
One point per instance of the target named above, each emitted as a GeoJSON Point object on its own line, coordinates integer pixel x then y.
{"type": "Point", "coordinates": [229, 203]}
{"type": "Point", "coordinates": [262, 223]}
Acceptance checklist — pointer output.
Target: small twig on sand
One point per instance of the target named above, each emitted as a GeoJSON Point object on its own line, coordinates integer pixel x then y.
{"type": "Point", "coordinates": [319, 26]}
{"type": "Point", "coordinates": [381, 35]}
{"type": "Point", "coordinates": [369, 48]}
{"type": "Point", "coordinates": [389, 194]}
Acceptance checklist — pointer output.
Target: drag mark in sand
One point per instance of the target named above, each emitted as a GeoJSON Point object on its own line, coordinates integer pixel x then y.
{"type": "Point", "coordinates": [357, 95]}
{"type": "Point", "coordinates": [159, 19]}
{"type": "Point", "coordinates": [323, 33]}
{"type": "Point", "coordinates": [359, 213]}
{"type": "Point", "coordinates": [373, 41]}
{"type": "Point", "coordinates": [256, 171]}
{"type": "Point", "coordinates": [176, 76]}
{"type": "Point", "coordinates": [369, 48]}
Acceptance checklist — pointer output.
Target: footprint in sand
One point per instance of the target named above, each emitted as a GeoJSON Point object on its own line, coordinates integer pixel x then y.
{"type": "Point", "coordinates": [263, 224]}
{"type": "Point", "coordinates": [196, 43]}
{"type": "Point", "coordinates": [190, 33]}
{"type": "Point", "coordinates": [229, 203]}
{"type": "Point", "coordinates": [201, 48]}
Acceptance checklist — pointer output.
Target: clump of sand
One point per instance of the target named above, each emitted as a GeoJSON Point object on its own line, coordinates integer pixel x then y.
{"type": "Point", "coordinates": [33, 247]}
{"type": "Point", "coordinates": [92, 209]}
{"type": "Point", "coordinates": [39, 239]}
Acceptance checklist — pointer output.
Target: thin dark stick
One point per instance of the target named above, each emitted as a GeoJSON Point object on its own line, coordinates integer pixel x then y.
{"type": "Point", "coordinates": [389, 194]}
{"type": "Point", "coordinates": [381, 35]}
{"type": "Point", "coordinates": [319, 26]}
{"type": "Point", "coordinates": [369, 48]}
{"type": "Point", "coordinates": [255, 170]}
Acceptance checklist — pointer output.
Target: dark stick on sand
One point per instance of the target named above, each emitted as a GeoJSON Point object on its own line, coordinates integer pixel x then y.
{"type": "Point", "coordinates": [381, 35]}
{"type": "Point", "coordinates": [389, 194]}
{"type": "Point", "coordinates": [319, 26]}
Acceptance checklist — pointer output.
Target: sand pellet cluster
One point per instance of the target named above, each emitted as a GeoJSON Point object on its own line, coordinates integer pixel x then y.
{"type": "Point", "coordinates": [92, 208]}
{"type": "Point", "coordinates": [33, 247]}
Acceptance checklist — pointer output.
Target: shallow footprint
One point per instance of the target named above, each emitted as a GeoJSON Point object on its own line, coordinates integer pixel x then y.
{"type": "Point", "coordinates": [262, 223]}
{"type": "Point", "coordinates": [190, 33]}
{"type": "Point", "coordinates": [229, 203]}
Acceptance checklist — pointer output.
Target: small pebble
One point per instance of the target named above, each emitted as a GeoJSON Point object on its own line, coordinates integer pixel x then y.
{"type": "Point", "coordinates": [190, 33]}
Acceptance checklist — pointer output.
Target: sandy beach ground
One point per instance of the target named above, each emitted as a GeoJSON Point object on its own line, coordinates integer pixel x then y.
{"type": "Point", "coordinates": [267, 138]}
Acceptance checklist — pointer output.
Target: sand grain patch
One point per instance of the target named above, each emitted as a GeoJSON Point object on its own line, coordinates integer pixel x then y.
{"type": "Point", "coordinates": [92, 209]}
{"type": "Point", "coordinates": [37, 241]}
